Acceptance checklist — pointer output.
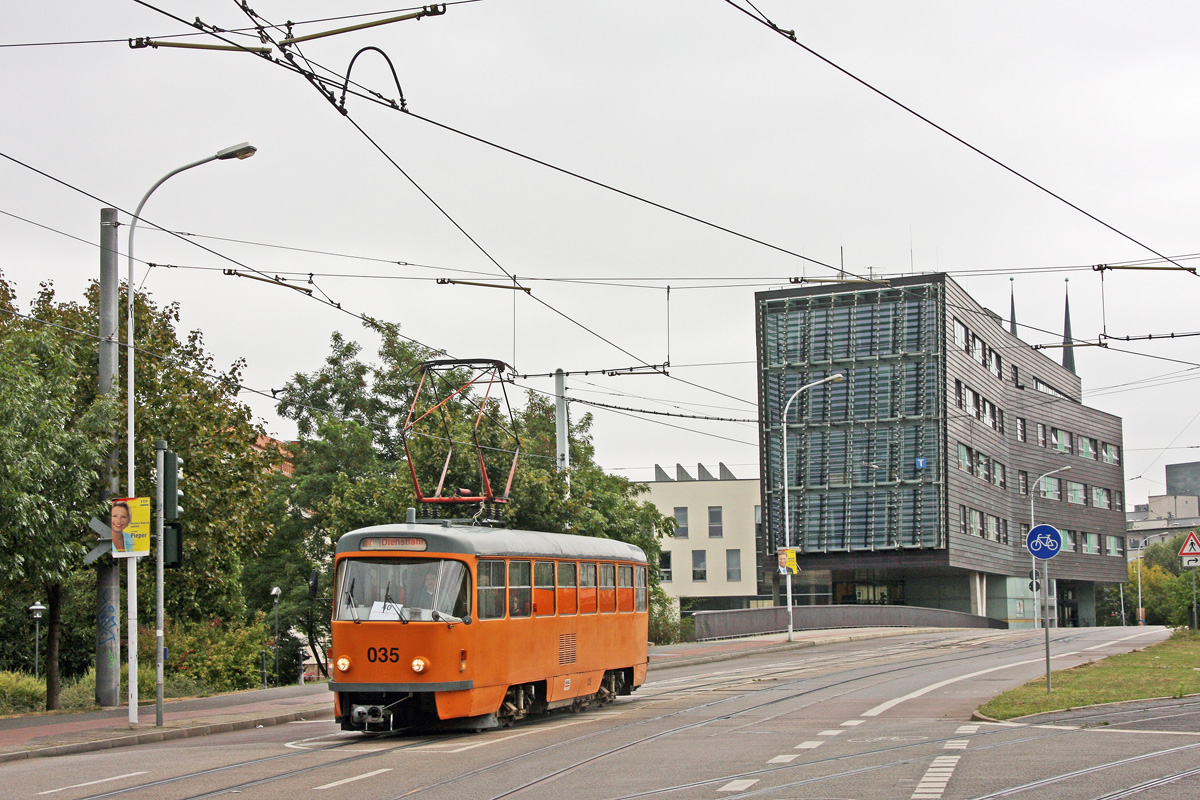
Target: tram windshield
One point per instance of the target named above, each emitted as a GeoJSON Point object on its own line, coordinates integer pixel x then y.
{"type": "Point", "coordinates": [402, 589]}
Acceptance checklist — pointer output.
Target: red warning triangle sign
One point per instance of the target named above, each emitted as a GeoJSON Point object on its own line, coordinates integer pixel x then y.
{"type": "Point", "coordinates": [1191, 546]}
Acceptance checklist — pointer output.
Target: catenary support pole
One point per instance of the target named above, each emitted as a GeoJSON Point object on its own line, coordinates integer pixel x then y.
{"type": "Point", "coordinates": [160, 446]}
{"type": "Point", "coordinates": [108, 574]}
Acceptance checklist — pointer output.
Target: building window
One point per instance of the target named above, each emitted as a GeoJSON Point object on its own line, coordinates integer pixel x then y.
{"type": "Point", "coordinates": [681, 523]}
{"type": "Point", "coordinates": [1046, 388]}
{"type": "Point", "coordinates": [1016, 376]}
{"type": "Point", "coordinates": [699, 566]}
{"type": "Point", "coordinates": [1022, 481]}
{"type": "Point", "coordinates": [715, 526]}
{"type": "Point", "coordinates": [978, 350]}
{"type": "Point", "coordinates": [1051, 488]}
{"type": "Point", "coordinates": [664, 566]}
{"type": "Point", "coordinates": [1070, 542]}
{"type": "Point", "coordinates": [994, 365]}
{"type": "Point", "coordinates": [1101, 498]}
{"type": "Point", "coordinates": [1119, 500]}
{"type": "Point", "coordinates": [1112, 546]}
{"type": "Point", "coordinates": [998, 475]}
{"type": "Point", "coordinates": [1041, 432]}
{"type": "Point", "coordinates": [1110, 453]}
{"type": "Point", "coordinates": [1021, 435]}
{"type": "Point", "coordinates": [1090, 543]}
{"type": "Point", "coordinates": [1088, 448]}
{"type": "Point", "coordinates": [966, 458]}
{"type": "Point", "coordinates": [1061, 440]}
{"type": "Point", "coordinates": [993, 528]}
{"type": "Point", "coordinates": [1076, 493]}
{"type": "Point", "coordinates": [960, 336]}
{"type": "Point", "coordinates": [733, 565]}
{"type": "Point", "coordinates": [982, 465]}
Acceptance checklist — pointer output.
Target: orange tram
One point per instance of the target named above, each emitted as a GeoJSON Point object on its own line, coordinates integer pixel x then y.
{"type": "Point", "coordinates": [447, 626]}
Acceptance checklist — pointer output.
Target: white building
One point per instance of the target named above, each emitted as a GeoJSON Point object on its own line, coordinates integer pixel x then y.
{"type": "Point", "coordinates": [712, 561]}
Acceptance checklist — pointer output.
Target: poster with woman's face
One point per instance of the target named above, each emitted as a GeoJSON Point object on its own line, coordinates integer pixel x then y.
{"type": "Point", "coordinates": [129, 519]}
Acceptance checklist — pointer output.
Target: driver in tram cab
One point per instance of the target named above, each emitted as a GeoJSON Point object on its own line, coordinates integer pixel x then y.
{"type": "Point", "coordinates": [425, 594]}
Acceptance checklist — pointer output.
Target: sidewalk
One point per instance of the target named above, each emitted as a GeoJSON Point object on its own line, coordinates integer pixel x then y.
{"type": "Point", "coordinates": [39, 735]}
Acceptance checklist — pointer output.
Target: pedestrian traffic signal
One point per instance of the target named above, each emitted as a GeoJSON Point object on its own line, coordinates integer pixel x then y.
{"type": "Point", "coordinates": [172, 476]}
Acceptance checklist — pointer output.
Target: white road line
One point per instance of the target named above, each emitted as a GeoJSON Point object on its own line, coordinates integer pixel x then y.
{"type": "Point", "coordinates": [956, 744]}
{"type": "Point", "coordinates": [965, 729]}
{"type": "Point", "coordinates": [808, 745]}
{"type": "Point", "coordinates": [783, 759]}
{"type": "Point", "coordinates": [352, 780]}
{"type": "Point", "coordinates": [739, 785]}
{"type": "Point", "coordinates": [933, 782]}
{"type": "Point", "coordinates": [93, 783]}
{"type": "Point", "coordinates": [1125, 638]}
{"type": "Point", "coordinates": [882, 707]}
{"type": "Point", "coordinates": [850, 723]}
{"type": "Point", "coordinates": [834, 732]}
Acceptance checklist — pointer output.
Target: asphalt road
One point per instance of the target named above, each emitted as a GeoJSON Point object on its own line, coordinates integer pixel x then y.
{"type": "Point", "coordinates": [889, 718]}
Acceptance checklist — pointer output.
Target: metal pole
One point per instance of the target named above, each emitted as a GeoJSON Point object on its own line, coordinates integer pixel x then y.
{"type": "Point", "coordinates": [561, 423]}
{"type": "Point", "coordinates": [1141, 615]}
{"type": "Point", "coordinates": [787, 516]}
{"type": "Point", "coordinates": [1121, 589]}
{"type": "Point", "coordinates": [37, 639]}
{"type": "Point", "coordinates": [108, 573]}
{"type": "Point", "coordinates": [1032, 557]}
{"type": "Point", "coordinates": [276, 641]}
{"type": "Point", "coordinates": [1194, 599]}
{"type": "Point", "coordinates": [160, 447]}
{"type": "Point", "coordinates": [1046, 618]}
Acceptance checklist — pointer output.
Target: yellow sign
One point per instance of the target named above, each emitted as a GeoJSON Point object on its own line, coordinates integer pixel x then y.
{"type": "Point", "coordinates": [129, 519]}
{"type": "Point", "coordinates": [787, 560]}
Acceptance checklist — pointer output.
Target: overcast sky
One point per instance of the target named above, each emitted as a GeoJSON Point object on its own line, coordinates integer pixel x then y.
{"type": "Point", "coordinates": [693, 105]}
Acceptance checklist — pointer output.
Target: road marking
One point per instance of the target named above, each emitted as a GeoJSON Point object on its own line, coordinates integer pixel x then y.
{"type": "Point", "coordinates": [352, 780]}
{"type": "Point", "coordinates": [808, 745]}
{"type": "Point", "coordinates": [1115, 641]}
{"type": "Point", "coordinates": [783, 759]}
{"type": "Point", "coordinates": [956, 744]}
{"type": "Point", "coordinates": [850, 723]}
{"type": "Point", "coordinates": [739, 785]}
{"type": "Point", "coordinates": [882, 707]}
{"type": "Point", "coordinates": [833, 732]}
{"type": "Point", "coordinates": [933, 782]}
{"type": "Point", "coordinates": [93, 783]}
{"type": "Point", "coordinates": [966, 729]}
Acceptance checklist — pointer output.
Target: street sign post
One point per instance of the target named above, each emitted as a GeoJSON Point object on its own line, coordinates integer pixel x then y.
{"type": "Point", "coordinates": [1190, 553]}
{"type": "Point", "coordinates": [1044, 542]}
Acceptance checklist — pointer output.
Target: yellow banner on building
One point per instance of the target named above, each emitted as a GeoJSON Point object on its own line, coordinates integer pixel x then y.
{"type": "Point", "coordinates": [129, 519]}
{"type": "Point", "coordinates": [787, 561]}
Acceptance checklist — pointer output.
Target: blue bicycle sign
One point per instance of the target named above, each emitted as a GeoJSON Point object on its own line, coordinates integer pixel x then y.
{"type": "Point", "coordinates": [1044, 541]}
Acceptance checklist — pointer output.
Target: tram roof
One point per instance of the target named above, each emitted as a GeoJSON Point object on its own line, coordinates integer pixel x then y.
{"type": "Point", "coordinates": [473, 540]}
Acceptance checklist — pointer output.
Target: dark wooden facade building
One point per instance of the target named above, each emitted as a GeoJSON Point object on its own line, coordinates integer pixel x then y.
{"type": "Point", "coordinates": [910, 480]}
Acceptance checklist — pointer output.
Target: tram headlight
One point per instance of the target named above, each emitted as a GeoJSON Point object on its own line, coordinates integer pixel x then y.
{"type": "Point", "coordinates": [419, 665]}
{"type": "Point", "coordinates": [343, 663]}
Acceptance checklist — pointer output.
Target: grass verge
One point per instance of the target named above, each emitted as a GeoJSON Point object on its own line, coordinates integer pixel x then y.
{"type": "Point", "coordinates": [1170, 668]}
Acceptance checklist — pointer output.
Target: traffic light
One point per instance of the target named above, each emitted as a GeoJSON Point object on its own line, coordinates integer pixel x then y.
{"type": "Point", "coordinates": [172, 475]}
{"type": "Point", "coordinates": [172, 545]}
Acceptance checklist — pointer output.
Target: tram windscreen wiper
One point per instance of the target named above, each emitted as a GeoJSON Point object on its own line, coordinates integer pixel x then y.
{"type": "Point", "coordinates": [350, 601]}
{"type": "Point", "coordinates": [388, 601]}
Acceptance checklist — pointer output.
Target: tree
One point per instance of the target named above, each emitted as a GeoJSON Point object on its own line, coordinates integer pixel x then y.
{"type": "Point", "coordinates": [54, 442]}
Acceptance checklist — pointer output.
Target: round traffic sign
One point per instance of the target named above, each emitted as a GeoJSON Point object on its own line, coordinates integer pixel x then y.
{"type": "Point", "coordinates": [1044, 541]}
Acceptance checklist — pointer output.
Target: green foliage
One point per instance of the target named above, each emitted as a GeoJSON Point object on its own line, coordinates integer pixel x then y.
{"type": "Point", "coordinates": [214, 655]}
{"type": "Point", "coordinates": [666, 624]}
{"type": "Point", "coordinates": [21, 693]}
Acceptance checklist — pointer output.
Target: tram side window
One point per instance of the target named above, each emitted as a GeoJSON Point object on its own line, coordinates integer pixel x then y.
{"type": "Point", "coordinates": [640, 577]}
{"type": "Point", "coordinates": [568, 601]}
{"type": "Point", "coordinates": [608, 588]}
{"type": "Point", "coordinates": [543, 588]}
{"type": "Point", "coordinates": [624, 588]}
{"type": "Point", "coordinates": [587, 588]}
{"type": "Point", "coordinates": [520, 588]}
{"type": "Point", "coordinates": [491, 589]}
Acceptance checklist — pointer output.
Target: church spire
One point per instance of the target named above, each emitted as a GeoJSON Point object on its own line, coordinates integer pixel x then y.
{"type": "Point", "coordinates": [1068, 350]}
{"type": "Point", "coordinates": [1012, 308]}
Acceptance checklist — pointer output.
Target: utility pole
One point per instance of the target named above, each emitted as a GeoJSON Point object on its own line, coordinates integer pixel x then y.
{"type": "Point", "coordinates": [563, 462]}
{"type": "Point", "coordinates": [108, 575]}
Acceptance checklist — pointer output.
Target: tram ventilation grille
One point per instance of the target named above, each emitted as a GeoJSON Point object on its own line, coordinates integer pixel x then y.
{"type": "Point", "coordinates": [566, 648]}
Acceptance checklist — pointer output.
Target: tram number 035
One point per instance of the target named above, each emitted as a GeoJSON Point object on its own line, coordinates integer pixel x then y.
{"type": "Point", "coordinates": [383, 654]}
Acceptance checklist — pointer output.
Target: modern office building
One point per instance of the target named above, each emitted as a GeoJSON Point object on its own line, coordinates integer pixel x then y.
{"type": "Point", "coordinates": [909, 480]}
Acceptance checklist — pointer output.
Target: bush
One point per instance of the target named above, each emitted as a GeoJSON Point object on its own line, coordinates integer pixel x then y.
{"type": "Point", "coordinates": [21, 693]}
{"type": "Point", "coordinates": [213, 656]}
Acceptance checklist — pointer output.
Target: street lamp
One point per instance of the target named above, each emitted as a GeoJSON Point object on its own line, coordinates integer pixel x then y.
{"type": "Point", "coordinates": [275, 594]}
{"type": "Point", "coordinates": [238, 151]}
{"type": "Point", "coordinates": [787, 522]}
{"type": "Point", "coordinates": [37, 609]}
{"type": "Point", "coordinates": [1033, 559]}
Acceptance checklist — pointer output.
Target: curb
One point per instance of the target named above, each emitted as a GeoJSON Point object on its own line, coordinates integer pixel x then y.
{"type": "Point", "coordinates": [166, 735]}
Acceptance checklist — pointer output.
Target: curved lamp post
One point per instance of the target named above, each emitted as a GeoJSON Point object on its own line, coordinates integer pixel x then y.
{"type": "Point", "coordinates": [787, 516]}
{"type": "Point", "coordinates": [37, 609]}
{"type": "Point", "coordinates": [238, 151]}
